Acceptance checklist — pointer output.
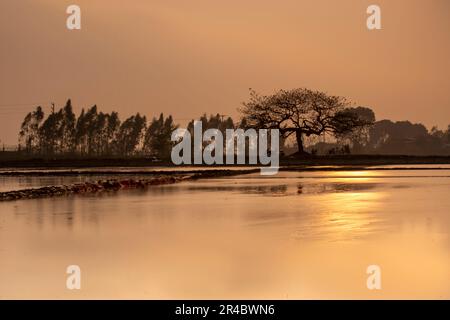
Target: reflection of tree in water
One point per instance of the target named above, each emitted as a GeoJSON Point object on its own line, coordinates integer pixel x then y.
{"type": "Point", "coordinates": [56, 212]}
{"type": "Point", "coordinates": [283, 190]}
{"type": "Point", "coordinates": [274, 190]}
{"type": "Point", "coordinates": [334, 187]}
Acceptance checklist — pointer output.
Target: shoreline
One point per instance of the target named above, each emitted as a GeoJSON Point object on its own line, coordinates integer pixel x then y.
{"type": "Point", "coordinates": [111, 185]}
{"type": "Point", "coordinates": [205, 172]}
{"type": "Point", "coordinates": [138, 162]}
{"type": "Point", "coordinates": [149, 178]}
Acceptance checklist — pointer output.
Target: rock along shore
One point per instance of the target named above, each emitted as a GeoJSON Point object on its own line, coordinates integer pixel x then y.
{"type": "Point", "coordinates": [88, 187]}
{"type": "Point", "coordinates": [109, 185]}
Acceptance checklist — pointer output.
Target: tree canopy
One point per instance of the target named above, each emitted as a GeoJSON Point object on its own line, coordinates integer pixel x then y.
{"type": "Point", "coordinates": [93, 133]}
{"type": "Point", "coordinates": [302, 112]}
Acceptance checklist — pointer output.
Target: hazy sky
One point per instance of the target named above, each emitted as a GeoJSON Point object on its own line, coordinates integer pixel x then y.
{"type": "Point", "coordinates": [189, 57]}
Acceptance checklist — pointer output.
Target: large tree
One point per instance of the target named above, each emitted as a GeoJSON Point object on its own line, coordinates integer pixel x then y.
{"type": "Point", "coordinates": [301, 112]}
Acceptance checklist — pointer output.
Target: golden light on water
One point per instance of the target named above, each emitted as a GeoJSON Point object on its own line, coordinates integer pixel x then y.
{"type": "Point", "coordinates": [354, 176]}
{"type": "Point", "coordinates": [298, 235]}
{"type": "Point", "coordinates": [354, 214]}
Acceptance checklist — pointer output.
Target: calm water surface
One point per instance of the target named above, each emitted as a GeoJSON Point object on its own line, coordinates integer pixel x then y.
{"type": "Point", "coordinates": [291, 236]}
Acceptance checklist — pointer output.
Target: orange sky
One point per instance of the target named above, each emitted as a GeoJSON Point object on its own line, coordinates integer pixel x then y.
{"type": "Point", "coordinates": [189, 57]}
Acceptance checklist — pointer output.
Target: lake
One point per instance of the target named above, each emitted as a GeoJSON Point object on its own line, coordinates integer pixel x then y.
{"type": "Point", "coordinates": [296, 235]}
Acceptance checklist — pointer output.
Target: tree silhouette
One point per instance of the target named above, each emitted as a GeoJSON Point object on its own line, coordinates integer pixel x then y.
{"type": "Point", "coordinates": [67, 128]}
{"type": "Point", "coordinates": [130, 134]}
{"type": "Point", "coordinates": [29, 130]}
{"type": "Point", "coordinates": [157, 140]}
{"type": "Point", "coordinates": [358, 138]}
{"type": "Point", "coordinates": [302, 112]}
{"type": "Point", "coordinates": [298, 112]}
{"type": "Point", "coordinates": [49, 133]}
{"type": "Point", "coordinates": [112, 127]}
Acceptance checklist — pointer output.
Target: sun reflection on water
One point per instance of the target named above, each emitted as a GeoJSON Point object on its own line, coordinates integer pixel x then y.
{"type": "Point", "coordinates": [351, 210]}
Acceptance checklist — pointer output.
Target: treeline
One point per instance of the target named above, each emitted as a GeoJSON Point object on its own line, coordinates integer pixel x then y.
{"type": "Point", "coordinates": [404, 137]}
{"type": "Point", "coordinates": [390, 138]}
{"type": "Point", "coordinates": [97, 134]}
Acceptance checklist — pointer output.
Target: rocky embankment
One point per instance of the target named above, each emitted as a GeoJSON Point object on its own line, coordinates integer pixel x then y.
{"type": "Point", "coordinates": [88, 187]}
{"type": "Point", "coordinates": [110, 185]}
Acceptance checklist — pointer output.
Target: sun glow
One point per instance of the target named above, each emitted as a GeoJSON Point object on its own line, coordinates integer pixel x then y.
{"type": "Point", "coordinates": [352, 214]}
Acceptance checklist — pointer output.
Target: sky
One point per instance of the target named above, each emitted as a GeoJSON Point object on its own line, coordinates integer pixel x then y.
{"type": "Point", "coordinates": [186, 58]}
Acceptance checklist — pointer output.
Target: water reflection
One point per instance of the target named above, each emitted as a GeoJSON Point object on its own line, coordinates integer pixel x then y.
{"type": "Point", "coordinates": [281, 189]}
{"type": "Point", "coordinates": [294, 235]}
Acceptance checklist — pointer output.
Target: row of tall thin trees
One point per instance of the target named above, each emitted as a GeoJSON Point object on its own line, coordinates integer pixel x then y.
{"type": "Point", "coordinates": [97, 134]}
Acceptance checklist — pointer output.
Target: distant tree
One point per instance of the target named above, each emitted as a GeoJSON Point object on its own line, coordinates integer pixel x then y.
{"type": "Point", "coordinates": [395, 137]}
{"type": "Point", "coordinates": [81, 133]}
{"type": "Point", "coordinates": [91, 130]}
{"type": "Point", "coordinates": [50, 133]}
{"type": "Point", "coordinates": [301, 112]}
{"type": "Point", "coordinates": [113, 125]}
{"type": "Point", "coordinates": [157, 140]}
{"type": "Point", "coordinates": [446, 137]}
{"type": "Point", "coordinates": [96, 133]}
{"type": "Point", "coordinates": [436, 133]}
{"type": "Point", "coordinates": [67, 128]}
{"type": "Point", "coordinates": [358, 138]}
{"type": "Point", "coordinates": [404, 137]}
{"type": "Point", "coordinates": [212, 122]}
{"type": "Point", "coordinates": [29, 130]}
{"type": "Point", "coordinates": [86, 131]}
{"type": "Point", "coordinates": [130, 134]}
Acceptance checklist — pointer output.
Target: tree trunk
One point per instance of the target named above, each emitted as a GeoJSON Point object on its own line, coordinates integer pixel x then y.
{"type": "Point", "coordinates": [298, 135]}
